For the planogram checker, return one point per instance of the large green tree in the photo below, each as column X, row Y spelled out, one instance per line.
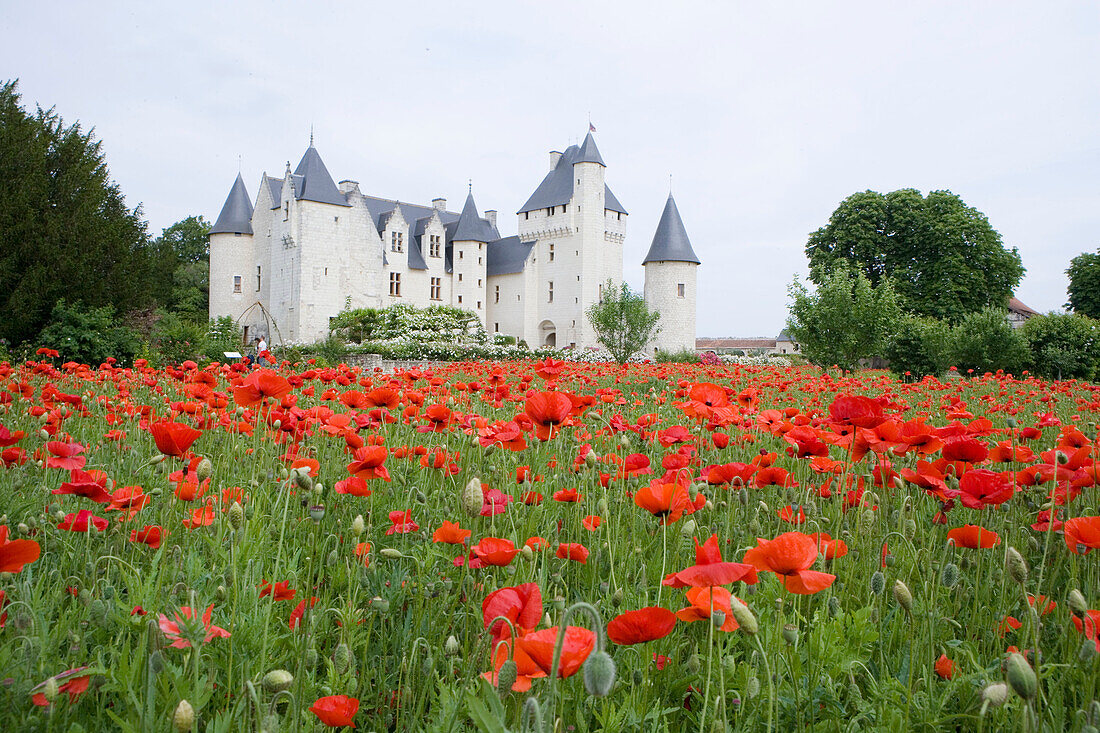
column 1084, row 284
column 624, row 324
column 943, row 256
column 65, row 229
column 846, row 319
column 181, row 268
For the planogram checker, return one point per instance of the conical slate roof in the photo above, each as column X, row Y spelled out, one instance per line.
column 317, row 184
column 670, row 242
column 471, row 227
column 589, row 153
column 236, row 215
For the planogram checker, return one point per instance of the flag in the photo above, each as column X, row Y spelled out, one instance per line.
column 591, row 127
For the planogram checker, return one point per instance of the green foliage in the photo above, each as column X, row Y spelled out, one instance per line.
column 943, row 256
column 65, row 230
column 919, row 346
column 845, row 320
column 435, row 323
column 683, row 356
column 985, row 342
column 1084, row 284
column 222, row 334
column 175, row 339
column 88, row 335
column 181, row 268
column 332, row 349
column 1062, row 346
column 624, row 324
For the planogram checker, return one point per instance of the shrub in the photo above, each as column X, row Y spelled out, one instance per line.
column 1062, row 346
column 683, row 356
column 176, row 339
column 919, row 346
column 88, row 335
column 985, row 342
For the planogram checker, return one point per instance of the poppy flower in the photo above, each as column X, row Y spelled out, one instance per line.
column 299, row 611
column 494, row 501
column 171, row 629
column 829, row 547
column 65, row 455
column 1082, row 534
column 548, row 410
column 526, row 669
column 402, row 522
column 667, row 501
column 129, row 499
column 451, row 534
column 1089, row 626
column 336, row 711
column 539, row 647
column 369, row 462
column 494, row 551
column 201, row 517
column 637, row 627
column 945, row 668
column 521, row 604
column 709, row 569
column 568, row 495
column 792, row 514
column 973, row 537
column 549, row 368
column 790, row 556
column 855, row 410
column 14, row 554
column 727, row 473
column 79, row 522
column 172, row 438
column 592, row 522
column 704, row 602
column 981, row 487
column 965, row 448
column 259, row 385
column 353, row 486
column 573, row 551
column 281, row 592
column 148, row 535
column 75, row 686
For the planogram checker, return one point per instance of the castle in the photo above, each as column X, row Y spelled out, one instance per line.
column 309, row 247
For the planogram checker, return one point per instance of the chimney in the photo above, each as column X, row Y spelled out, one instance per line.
column 347, row 187
column 439, row 204
column 491, row 215
column 555, row 156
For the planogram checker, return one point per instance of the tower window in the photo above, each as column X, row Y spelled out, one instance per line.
column 460, row 253
column 496, row 327
column 460, row 300
column 236, row 283
column 460, row 277
column 395, row 284
column 258, row 278
column 551, row 252
column 479, row 282
column 437, row 288
column 479, row 305
column 679, row 290
column 336, row 219
column 496, row 294
column 551, row 292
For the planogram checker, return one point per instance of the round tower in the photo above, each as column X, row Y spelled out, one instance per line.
column 231, row 255
column 670, row 274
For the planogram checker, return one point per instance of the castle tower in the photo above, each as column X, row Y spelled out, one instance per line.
column 231, row 255
column 469, row 254
column 670, row 272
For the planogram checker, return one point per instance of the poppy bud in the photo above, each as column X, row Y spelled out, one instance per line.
column 790, row 633
column 51, row 691
column 745, row 618
column 472, row 498
column 878, row 583
column 302, row 479
column 833, row 606
column 277, row 424
column 1076, row 602
column 204, row 470
column 949, row 576
column 617, row 597
column 277, row 680
column 236, row 515
column 599, row 674
column 1087, row 652
column 156, row 661
column 527, row 552
column 910, row 528
column 451, row 647
column 752, row 687
column 590, row 459
column 854, row 694
column 311, row 659
column 995, row 694
column 341, row 658
column 184, row 717
column 1022, row 677
column 1016, row 566
column 390, row 553
column 358, row 526
column 687, row 530
column 381, row 604
column 506, row 677
column 1061, row 458
column 693, row 665
column 97, row 610
column 220, row 593
column 903, row 596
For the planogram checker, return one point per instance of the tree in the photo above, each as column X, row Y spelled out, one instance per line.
column 1062, row 346
column 918, row 346
column 943, row 256
column 88, row 335
column 985, row 342
column 845, row 320
column 1084, row 284
column 624, row 324
column 181, row 267
column 65, row 229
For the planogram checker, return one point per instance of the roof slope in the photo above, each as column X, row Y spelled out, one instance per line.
column 670, row 241
column 471, row 227
column 317, row 184
column 507, row 256
column 589, row 153
column 557, row 187
column 236, row 214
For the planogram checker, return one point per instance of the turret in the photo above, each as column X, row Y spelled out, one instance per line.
column 231, row 254
column 670, row 275
column 469, row 254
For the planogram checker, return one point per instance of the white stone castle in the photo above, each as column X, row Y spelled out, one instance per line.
column 310, row 247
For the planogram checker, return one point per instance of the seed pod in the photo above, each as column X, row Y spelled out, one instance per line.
column 599, row 674
column 472, row 498
column 745, row 618
column 790, row 633
column 236, row 515
column 949, row 576
column 184, row 717
column 506, row 677
column 277, row 680
column 878, row 583
column 718, row 617
column 903, row 596
column 995, row 694
column 1016, row 566
column 317, row 512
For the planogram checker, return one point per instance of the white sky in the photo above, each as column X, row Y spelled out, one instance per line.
column 766, row 114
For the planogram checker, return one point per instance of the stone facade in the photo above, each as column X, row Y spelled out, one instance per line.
column 310, row 248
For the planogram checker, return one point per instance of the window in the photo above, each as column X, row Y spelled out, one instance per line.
column 460, row 277
column 601, row 293
column 479, row 282
column 433, row 245
column 236, row 234
column 236, row 283
column 395, row 284
column 551, row 252
column 460, row 300
column 336, row 219
column 460, row 253
column 479, row 305
column 258, row 279
column 496, row 294
column 550, row 210
column 479, row 260
column 437, row 288
column 679, row 290
column 397, row 241
column 526, row 215
column 496, row 328
column 551, row 292
column 286, row 211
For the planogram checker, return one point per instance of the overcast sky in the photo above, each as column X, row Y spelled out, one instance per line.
column 765, row 114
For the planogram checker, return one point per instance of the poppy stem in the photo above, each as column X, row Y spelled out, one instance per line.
column 768, row 674
column 664, row 559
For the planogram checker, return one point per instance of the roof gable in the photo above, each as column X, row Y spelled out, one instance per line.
column 670, row 241
column 236, row 213
column 317, row 184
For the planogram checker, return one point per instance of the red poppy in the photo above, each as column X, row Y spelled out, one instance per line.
column 171, row 629
column 568, row 495
column 548, row 410
column 172, row 438
column 973, row 537
column 573, row 551
column 709, row 569
column 369, row 462
column 1089, row 626
column 592, row 522
column 259, row 385
column 336, row 711
column 85, row 484
column 451, row 534
column 494, row 551
column 980, row 488
column 353, row 486
column 148, row 535
column 668, row 501
column 730, row 473
column 792, row 514
column 201, row 517
column 79, row 522
column 282, row 591
column 299, row 611
column 790, row 556
column 402, row 522
column 14, row 554
column 645, row 624
column 965, row 448
column 829, row 547
column 539, row 647
column 855, row 410
column 75, row 686
column 945, row 668
column 704, row 602
column 1082, row 534
column 65, row 455
column 521, row 604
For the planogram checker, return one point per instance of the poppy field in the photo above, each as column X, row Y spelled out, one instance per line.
column 545, row 546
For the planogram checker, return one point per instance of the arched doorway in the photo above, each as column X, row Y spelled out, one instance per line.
column 548, row 335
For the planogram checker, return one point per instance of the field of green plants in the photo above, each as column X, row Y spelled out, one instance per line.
column 545, row 546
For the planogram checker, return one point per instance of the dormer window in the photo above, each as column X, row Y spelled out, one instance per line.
column 397, row 241
column 433, row 245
